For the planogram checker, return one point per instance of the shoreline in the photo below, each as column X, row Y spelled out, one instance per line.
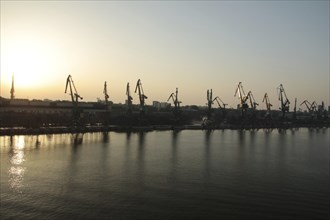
column 116, row 128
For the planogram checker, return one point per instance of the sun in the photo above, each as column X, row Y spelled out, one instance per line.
column 28, row 64
column 36, row 63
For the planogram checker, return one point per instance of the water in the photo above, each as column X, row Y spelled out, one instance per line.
column 228, row 174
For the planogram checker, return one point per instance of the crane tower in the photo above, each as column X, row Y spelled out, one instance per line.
column 129, row 99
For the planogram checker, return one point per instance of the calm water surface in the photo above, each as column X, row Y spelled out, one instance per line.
column 227, row 174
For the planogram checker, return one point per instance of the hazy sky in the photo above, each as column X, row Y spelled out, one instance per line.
column 194, row 46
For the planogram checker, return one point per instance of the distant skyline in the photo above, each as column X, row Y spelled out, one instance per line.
column 190, row 45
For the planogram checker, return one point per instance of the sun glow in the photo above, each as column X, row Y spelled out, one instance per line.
column 28, row 63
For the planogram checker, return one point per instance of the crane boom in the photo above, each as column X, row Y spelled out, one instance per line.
column 310, row 106
column 307, row 103
column 266, row 99
column 171, row 96
column 73, row 91
column 268, row 105
column 218, row 99
column 253, row 103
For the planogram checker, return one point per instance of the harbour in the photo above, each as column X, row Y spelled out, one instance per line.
column 24, row 116
column 164, row 110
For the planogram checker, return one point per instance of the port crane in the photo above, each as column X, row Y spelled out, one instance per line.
column 175, row 100
column 253, row 102
column 107, row 107
column 268, row 105
column 207, row 120
column 106, row 95
column 321, row 111
column 210, row 101
column 243, row 98
column 142, row 97
column 322, row 107
column 105, row 92
column 311, row 107
column 284, row 100
column 73, row 91
column 295, row 109
column 74, row 98
column 129, row 99
column 176, row 103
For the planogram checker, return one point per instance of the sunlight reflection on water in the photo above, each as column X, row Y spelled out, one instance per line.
column 16, row 158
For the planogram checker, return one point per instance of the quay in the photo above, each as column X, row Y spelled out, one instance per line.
column 116, row 128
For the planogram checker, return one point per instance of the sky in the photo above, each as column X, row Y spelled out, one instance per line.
column 189, row 45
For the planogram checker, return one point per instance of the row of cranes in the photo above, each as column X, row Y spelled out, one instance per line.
column 75, row 97
column 246, row 101
column 312, row 107
column 244, row 98
column 282, row 97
